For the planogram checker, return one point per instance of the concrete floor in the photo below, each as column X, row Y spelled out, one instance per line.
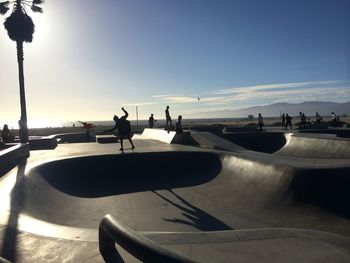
column 211, row 205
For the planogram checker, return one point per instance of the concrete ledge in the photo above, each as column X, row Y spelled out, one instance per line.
column 323, row 147
column 212, row 141
column 43, row 143
column 270, row 244
column 157, row 134
column 76, row 137
column 106, row 139
column 11, row 156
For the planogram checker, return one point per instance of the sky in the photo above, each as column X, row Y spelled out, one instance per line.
column 90, row 58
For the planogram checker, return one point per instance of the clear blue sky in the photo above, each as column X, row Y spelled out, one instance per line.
column 90, row 58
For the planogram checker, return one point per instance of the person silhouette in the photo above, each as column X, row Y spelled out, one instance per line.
column 318, row 118
column 178, row 127
column 7, row 135
column 151, row 121
column 124, row 129
column 288, row 121
column 260, row 122
column 334, row 119
column 168, row 122
column 283, row 120
column 89, row 128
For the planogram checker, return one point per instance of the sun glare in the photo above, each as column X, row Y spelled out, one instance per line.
column 42, row 25
column 42, row 123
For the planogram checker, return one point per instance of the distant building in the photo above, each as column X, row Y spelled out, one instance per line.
column 250, row 117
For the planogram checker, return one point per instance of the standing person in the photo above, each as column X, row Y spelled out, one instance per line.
column 283, row 120
column 124, row 129
column 288, row 121
column 168, row 122
column 151, row 121
column 334, row 119
column 303, row 121
column 318, row 118
column 260, row 122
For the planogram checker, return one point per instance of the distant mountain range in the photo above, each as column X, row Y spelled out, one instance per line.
column 274, row 110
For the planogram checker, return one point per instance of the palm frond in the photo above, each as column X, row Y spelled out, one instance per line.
column 4, row 7
column 36, row 9
column 38, row 2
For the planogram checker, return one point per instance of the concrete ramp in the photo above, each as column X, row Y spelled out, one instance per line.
column 223, row 207
column 267, row 142
column 286, row 144
column 183, row 191
column 302, row 146
column 212, row 141
column 109, row 138
column 156, row 134
column 257, row 245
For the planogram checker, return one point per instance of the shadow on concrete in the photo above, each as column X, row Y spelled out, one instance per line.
column 9, row 245
column 198, row 218
column 112, row 257
column 100, row 176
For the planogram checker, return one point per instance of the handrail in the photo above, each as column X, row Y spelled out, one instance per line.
column 144, row 249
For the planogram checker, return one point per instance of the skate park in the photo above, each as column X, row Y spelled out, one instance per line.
column 198, row 198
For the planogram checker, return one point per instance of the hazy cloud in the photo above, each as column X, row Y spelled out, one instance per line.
column 249, row 89
column 166, row 96
column 329, row 90
column 140, row 104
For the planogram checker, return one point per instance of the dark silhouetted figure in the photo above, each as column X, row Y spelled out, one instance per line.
column 318, row 118
column 283, row 121
column 260, row 122
column 6, row 134
column 89, row 130
column 334, row 120
column 124, row 129
column 168, row 121
column 302, row 120
column 288, row 122
column 151, row 121
column 178, row 127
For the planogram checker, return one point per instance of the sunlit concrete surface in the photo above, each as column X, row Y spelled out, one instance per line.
column 211, row 205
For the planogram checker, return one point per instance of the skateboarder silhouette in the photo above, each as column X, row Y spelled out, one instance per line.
column 124, row 129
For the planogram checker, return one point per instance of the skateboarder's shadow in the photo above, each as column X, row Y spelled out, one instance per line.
column 198, row 217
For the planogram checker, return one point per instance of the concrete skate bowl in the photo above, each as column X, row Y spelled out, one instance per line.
column 289, row 144
column 314, row 147
column 79, row 191
column 342, row 133
column 184, row 191
column 267, row 142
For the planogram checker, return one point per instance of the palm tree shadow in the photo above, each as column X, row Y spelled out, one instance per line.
column 198, row 218
column 10, row 237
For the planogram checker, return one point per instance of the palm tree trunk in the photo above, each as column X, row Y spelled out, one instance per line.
column 23, row 127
